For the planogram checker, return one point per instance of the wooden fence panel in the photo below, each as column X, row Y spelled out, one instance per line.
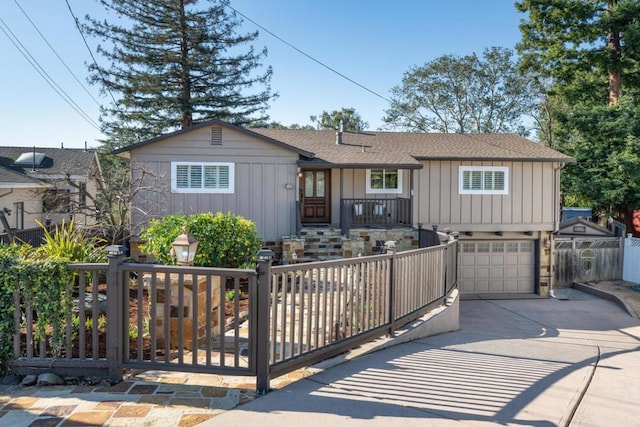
column 587, row 259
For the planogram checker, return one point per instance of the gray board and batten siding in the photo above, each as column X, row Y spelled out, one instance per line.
column 529, row 205
column 265, row 179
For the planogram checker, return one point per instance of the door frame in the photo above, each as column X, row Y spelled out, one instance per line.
column 318, row 203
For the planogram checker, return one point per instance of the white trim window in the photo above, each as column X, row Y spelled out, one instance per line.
column 384, row 181
column 484, row 180
column 202, row 177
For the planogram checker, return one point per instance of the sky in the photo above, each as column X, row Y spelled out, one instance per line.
column 373, row 42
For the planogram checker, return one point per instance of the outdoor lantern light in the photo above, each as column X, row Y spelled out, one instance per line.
column 115, row 250
column 264, row 255
column 184, row 248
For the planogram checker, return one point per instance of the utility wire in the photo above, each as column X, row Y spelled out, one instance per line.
column 93, row 58
column 333, row 70
column 56, row 53
column 34, row 63
column 408, row 114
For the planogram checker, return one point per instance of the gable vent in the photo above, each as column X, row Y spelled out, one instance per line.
column 216, row 135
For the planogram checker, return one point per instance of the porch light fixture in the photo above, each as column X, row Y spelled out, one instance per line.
column 184, row 248
column 265, row 255
column 116, row 250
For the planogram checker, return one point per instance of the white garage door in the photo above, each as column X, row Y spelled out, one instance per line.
column 496, row 267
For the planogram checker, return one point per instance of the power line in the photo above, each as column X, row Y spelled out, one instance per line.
column 408, row 114
column 333, row 70
column 50, row 81
column 115, row 104
column 56, row 53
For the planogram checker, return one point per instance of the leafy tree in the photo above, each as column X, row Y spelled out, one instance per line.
column 348, row 116
column 463, row 94
column 171, row 63
column 607, row 171
column 278, row 125
column 589, row 53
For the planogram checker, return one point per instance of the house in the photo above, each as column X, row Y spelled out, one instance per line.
column 500, row 192
column 47, row 185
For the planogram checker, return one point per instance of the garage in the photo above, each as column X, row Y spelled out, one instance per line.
column 496, row 266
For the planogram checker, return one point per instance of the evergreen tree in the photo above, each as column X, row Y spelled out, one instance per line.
column 588, row 52
column 173, row 63
column 590, row 48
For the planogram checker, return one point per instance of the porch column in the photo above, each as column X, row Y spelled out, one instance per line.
column 411, row 171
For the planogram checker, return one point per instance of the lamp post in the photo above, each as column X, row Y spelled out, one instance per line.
column 184, row 248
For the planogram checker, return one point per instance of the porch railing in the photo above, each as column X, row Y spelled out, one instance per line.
column 262, row 323
column 374, row 212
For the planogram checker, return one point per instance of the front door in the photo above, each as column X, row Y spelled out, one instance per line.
column 315, row 196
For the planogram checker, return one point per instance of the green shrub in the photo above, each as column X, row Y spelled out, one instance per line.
column 9, row 264
column 226, row 240
column 70, row 243
column 44, row 286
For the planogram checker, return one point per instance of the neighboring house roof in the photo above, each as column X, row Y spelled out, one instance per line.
column 56, row 163
column 12, row 179
column 576, row 227
column 400, row 149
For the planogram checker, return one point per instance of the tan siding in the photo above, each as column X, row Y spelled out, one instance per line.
column 528, row 206
column 262, row 171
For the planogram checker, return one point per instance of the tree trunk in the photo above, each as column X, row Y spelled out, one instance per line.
column 615, row 73
column 185, row 97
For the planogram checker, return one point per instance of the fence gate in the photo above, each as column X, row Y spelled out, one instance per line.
column 587, row 259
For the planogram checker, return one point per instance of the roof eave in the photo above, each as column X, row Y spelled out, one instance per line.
column 123, row 150
column 499, row 159
column 330, row 165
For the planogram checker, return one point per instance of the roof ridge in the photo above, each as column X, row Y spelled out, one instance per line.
column 502, row 147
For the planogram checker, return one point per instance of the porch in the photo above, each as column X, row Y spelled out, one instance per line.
column 374, row 213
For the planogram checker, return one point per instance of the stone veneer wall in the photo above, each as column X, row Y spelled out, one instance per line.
column 361, row 242
column 365, row 238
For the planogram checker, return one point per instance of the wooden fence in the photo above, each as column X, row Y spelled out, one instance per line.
column 145, row 316
column 588, row 259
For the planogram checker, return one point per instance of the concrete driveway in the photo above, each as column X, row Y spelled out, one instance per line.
column 570, row 361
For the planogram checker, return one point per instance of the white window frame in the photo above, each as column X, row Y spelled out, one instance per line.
column 483, row 169
column 398, row 190
column 174, row 178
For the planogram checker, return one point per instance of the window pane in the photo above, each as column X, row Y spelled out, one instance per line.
column 466, row 180
column 182, row 176
column 377, row 179
column 223, row 176
column 195, row 176
column 498, row 182
column 308, row 184
column 391, row 179
column 476, row 180
column 512, row 247
column 488, row 180
column 320, row 184
column 482, row 247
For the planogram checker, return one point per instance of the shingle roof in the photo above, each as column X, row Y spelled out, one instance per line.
column 11, row 179
column 401, row 148
column 58, row 161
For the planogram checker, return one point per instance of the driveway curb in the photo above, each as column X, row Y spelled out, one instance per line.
column 584, row 287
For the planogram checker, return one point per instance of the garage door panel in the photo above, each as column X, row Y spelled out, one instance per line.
column 497, row 267
column 482, row 285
